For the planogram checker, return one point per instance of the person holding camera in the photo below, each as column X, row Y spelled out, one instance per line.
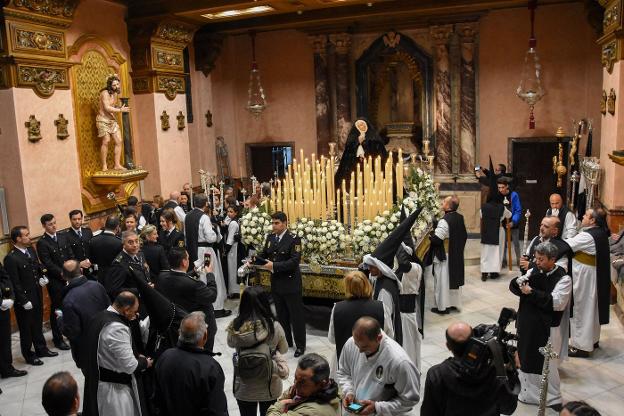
column 188, row 292
column 452, row 389
column 375, row 374
column 543, row 316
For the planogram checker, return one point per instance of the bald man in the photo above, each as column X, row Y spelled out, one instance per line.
column 370, row 361
column 549, row 229
column 567, row 218
column 451, row 390
column 174, row 204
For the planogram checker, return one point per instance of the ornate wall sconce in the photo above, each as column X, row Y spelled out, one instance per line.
column 611, row 102
column 34, row 129
column 603, row 103
column 164, row 121
column 61, row 127
column 181, row 119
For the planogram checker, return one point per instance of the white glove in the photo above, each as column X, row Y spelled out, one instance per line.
column 43, row 281
column 28, row 305
column 6, row 304
column 58, row 313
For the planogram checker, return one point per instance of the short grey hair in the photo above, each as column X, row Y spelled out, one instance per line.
column 127, row 234
column 547, row 249
column 192, row 328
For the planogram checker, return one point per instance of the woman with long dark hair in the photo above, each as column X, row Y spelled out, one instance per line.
column 255, row 325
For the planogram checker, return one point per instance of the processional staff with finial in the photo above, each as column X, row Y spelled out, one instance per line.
column 548, row 353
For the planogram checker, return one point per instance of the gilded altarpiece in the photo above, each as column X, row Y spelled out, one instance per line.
column 95, row 60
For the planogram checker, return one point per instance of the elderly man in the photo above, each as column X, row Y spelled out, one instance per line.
column 313, row 392
column 174, row 204
column 113, row 382
column 370, row 361
column 567, row 218
column 189, row 381
column 544, row 312
column 549, row 230
column 60, row 395
column 448, row 241
column 128, row 264
column 82, row 299
column 591, row 282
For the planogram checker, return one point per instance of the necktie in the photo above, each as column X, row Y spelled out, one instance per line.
column 28, row 254
column 80, row 233
column 54, row 238
column 135, row 259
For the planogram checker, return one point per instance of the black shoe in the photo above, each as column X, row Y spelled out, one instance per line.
column 494, row 275
column 62, row 346
column 234, row 296
column 557, row 407
column 299, row 352
column 575, row 352
column 46, row 353
column 222, row 313
column 14, row 372
column 484, row 277
column 597, row 345
column 34, row 361
column 439, row 312
column 453, row 308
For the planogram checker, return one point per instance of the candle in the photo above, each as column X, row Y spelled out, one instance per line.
column 338, row 204
column 352, row 200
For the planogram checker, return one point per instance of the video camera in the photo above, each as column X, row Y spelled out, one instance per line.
column 492, row 345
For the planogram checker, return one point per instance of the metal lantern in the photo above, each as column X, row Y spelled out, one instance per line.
column 256, row 101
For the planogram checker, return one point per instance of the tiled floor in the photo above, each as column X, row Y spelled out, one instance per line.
column 598, row 380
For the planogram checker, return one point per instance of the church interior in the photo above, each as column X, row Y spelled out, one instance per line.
column 234, row 91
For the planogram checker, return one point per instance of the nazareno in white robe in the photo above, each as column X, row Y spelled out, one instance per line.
column 443, row 296
column 412, row 338
column 585, row 322
column 530, row 384
column 492, row 255
column 207, row 234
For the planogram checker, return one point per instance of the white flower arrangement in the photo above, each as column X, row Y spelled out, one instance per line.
column 255, row 225
column 322, row 241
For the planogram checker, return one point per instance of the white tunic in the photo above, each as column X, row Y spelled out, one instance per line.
column 412, row 338
column 207, row 234
column 492, row 255
column 444, row 297
column 563, row 261
column 232, row 258
column 569, row 225
column 585, row 323
column 115, row 354
column 388, row 306
column 367, row 377
column 531, row 383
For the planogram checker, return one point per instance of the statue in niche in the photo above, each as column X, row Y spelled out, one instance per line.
column 181, row 118
column 61, row 127
column 363, row 141
column 107, row 125
column 164, row 121
column 34, row 129
column 223, row 162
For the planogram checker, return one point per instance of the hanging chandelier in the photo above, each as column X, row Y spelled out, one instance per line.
column 530, row 89
column 256, row 102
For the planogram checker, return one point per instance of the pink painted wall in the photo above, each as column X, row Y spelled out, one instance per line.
column 50, row 170
column 286, row 65
column 572, row 75
column 612, row 138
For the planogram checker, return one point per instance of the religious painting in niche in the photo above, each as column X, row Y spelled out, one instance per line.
column 394, row 84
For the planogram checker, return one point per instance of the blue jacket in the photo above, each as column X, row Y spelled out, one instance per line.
column 516, row 209
column 82, row 299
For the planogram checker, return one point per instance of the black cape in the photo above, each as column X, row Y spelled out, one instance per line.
column 562, row 216
column 491, row 213
column 603, row 272
column 457, row 243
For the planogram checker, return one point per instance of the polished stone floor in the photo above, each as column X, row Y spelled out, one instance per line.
column 599, row 380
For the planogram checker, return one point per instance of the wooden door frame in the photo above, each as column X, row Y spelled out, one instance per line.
column 248, row 147
column 541, row 139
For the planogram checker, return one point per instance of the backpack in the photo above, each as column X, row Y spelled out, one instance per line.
column 255, row 364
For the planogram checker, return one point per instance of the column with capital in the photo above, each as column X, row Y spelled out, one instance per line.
column 468, row 35
column 342, row 43
column 442, row 93
column 321, row 93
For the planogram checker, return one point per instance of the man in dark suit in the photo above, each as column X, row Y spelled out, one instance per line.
column 53, row 250
column 189, row 293
column 79, row 238
column 105, row 246
column 127, row 266
column 27, row 277
column 282, row 250
column 169, row 236
column 6, row 356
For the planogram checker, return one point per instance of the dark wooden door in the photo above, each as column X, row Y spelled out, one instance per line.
column 532, row 166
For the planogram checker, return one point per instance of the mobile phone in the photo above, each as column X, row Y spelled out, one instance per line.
column 259, row 261
column 355, row 407
column 207, row 259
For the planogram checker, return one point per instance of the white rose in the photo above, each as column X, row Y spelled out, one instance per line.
column 411, row 205
column 300, row 233
column 358, row 232
column 308, row 229
column 368, row 229
column 342, row 237
column 366, row 239
column 394, row 219
column 383, row 228
column 254, row 231
column 335, row 233
column 311, row 223
column 380, row 220
column 384, row 235
column 390, row 226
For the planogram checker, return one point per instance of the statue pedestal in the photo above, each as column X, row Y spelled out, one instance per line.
column 121, row 182
column 400, row 137
column 116, row 178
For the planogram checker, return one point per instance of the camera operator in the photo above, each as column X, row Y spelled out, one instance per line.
column 544, row 313
column 451, row 389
